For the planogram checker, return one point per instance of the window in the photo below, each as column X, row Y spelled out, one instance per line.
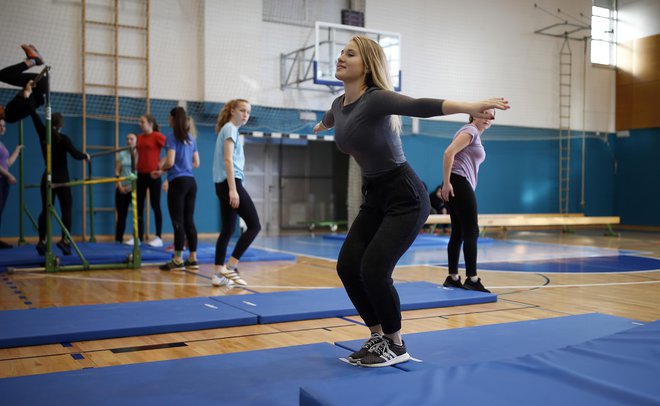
column 304, row 12
column 603, row 38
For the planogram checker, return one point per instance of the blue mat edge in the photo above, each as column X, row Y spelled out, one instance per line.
column 44, row 339
column 127, row 332
column 344, row 343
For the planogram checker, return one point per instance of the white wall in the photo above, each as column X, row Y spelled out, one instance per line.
column 477, row 49
column 220, row 49
column 242, row 56
column 638, row 19
column 54, row 27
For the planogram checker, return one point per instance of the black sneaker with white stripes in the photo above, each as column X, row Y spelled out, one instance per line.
column 375, row 339
column 191, row 265
column 384, row 354
column 172, row 265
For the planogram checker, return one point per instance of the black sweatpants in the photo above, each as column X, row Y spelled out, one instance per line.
column 18, row 108
column 181, row 204
column 122, row 202
column 229, row 216
column 395, row 208
column 464, row 226
column 146, row 182
column 63, row 194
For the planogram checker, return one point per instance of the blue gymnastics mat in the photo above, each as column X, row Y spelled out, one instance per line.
column 320, row 303
column 434, row 241
column 619, row 369
column 77, row 323
column 617, row 263
column 498, row 341
column 95, row 253
column 206, row 254
column 265, row 377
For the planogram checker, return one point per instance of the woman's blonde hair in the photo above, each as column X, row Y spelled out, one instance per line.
column 192, row 128
column 378, row 72
column 225, row 114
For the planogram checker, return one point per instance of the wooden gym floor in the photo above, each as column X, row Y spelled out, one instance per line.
column 522, row 296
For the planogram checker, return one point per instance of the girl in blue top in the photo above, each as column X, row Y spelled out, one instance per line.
column 182, row 156
column 228, row 164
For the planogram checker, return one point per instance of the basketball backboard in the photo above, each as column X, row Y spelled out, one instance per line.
column 331, row 39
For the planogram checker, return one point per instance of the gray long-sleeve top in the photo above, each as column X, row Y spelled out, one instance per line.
column 362, row 128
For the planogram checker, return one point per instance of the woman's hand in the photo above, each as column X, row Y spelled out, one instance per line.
column 27, row 90
column 447, row 191
column 234, row 200
column 156, row 174
column 479, row 109
column 319, row 127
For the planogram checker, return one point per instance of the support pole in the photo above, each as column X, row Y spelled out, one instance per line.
column 50, row 259
column 21, row 189
column 92, row 235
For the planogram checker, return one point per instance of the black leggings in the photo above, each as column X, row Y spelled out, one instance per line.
column 144, row 182
column 4, row 194
column 229, row 215
column 122, row 202
column 181, row 203
column 395, row 208
column 63, row 194
column 464, row 226
column 19, row 108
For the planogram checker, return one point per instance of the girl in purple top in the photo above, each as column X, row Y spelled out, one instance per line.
column 6, row 178
column 460, row 167
column 182, row 156
column 396, row 204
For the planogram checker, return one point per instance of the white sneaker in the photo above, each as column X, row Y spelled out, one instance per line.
column 156, row 242
column 218, row 280
column 129, row 242
column 233, row 275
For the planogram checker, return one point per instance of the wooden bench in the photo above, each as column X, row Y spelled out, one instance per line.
column 534, row 220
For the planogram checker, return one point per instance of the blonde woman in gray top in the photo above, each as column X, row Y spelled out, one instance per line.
column 367, row 127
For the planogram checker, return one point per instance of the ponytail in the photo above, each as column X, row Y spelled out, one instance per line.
column 180, row 124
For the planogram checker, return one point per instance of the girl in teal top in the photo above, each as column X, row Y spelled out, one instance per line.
column 123, row 167
column 228, row 164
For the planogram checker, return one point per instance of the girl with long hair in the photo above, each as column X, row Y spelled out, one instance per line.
column 181, row 158
column 149, row 172
column 460, row 167
column 228, row 175
column 396, row 203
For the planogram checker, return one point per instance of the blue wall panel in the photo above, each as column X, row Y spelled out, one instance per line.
column 637, row 180
column 520, row 174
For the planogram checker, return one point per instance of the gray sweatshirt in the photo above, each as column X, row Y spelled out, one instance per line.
column 362, row 129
